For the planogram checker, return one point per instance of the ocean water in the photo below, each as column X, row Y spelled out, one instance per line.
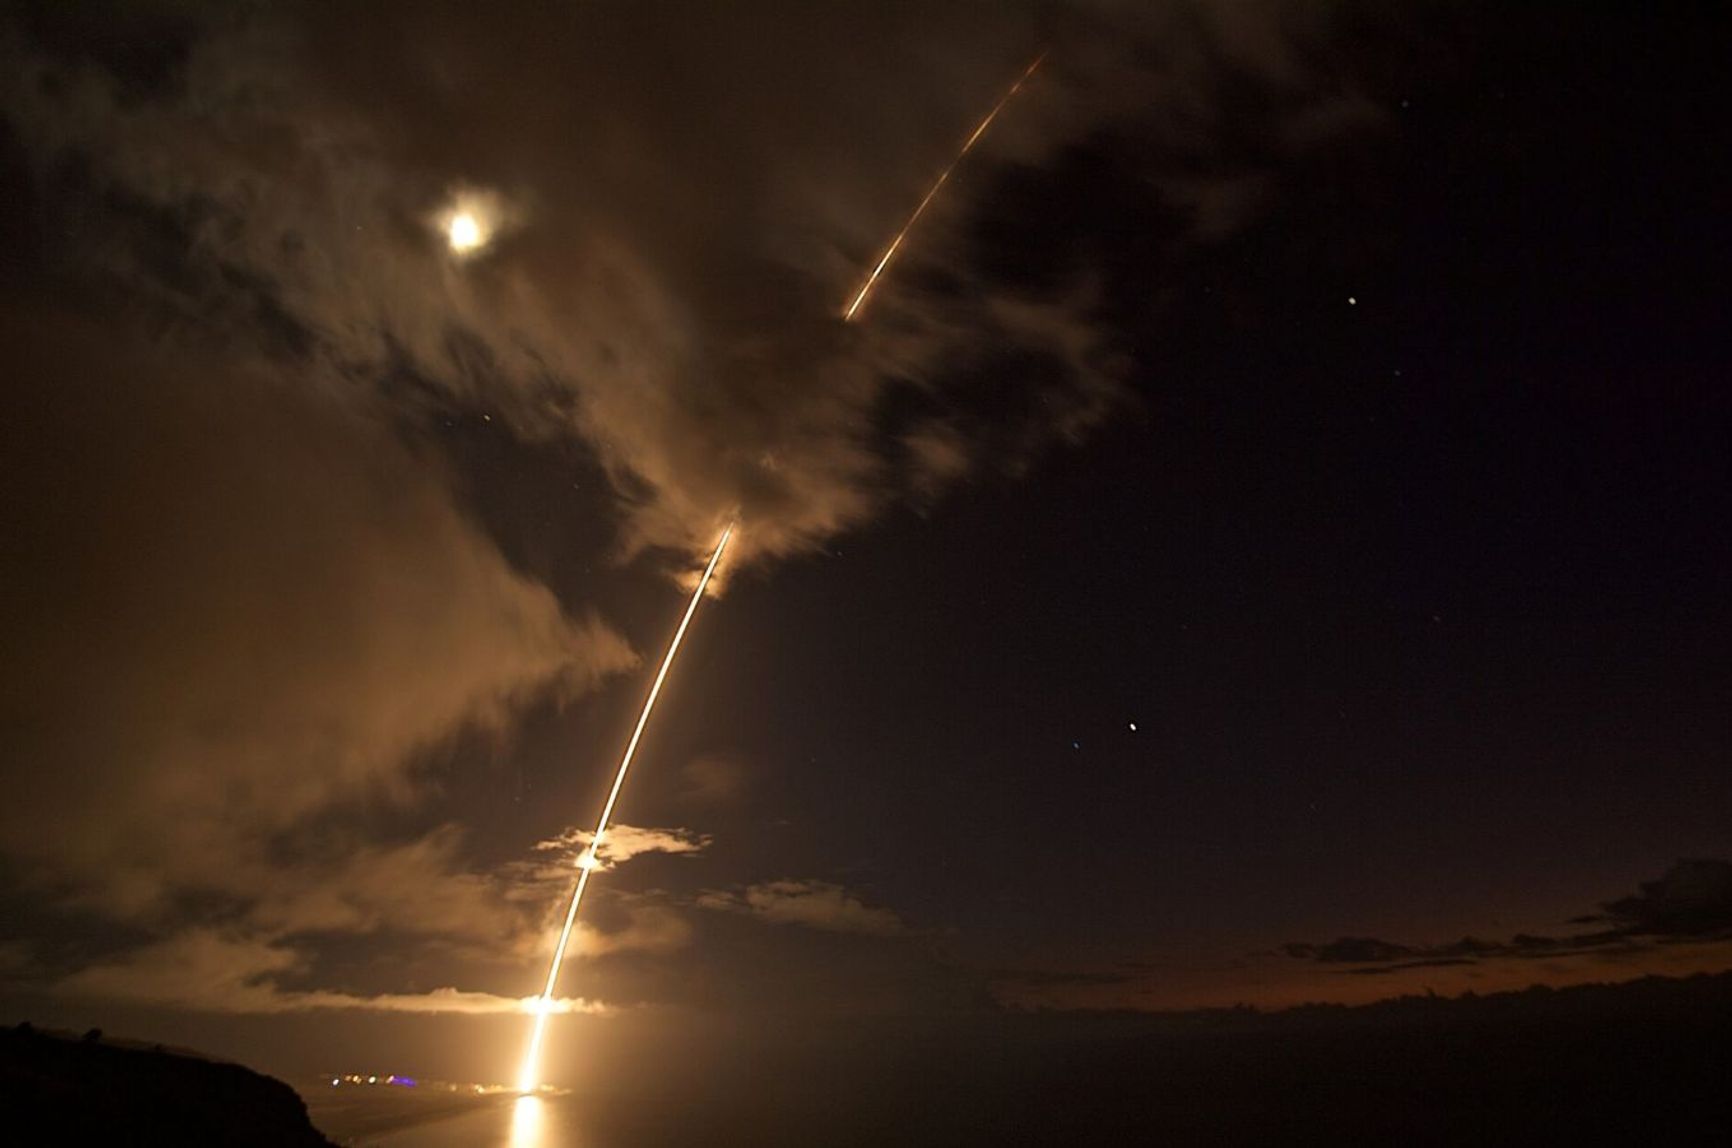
column 525, row 1122
column 401, row 1118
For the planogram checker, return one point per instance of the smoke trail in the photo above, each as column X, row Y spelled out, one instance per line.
column 527, row 1079
column 980, row 130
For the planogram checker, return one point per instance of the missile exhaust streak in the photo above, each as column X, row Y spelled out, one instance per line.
column 527, row 1079
column 859, row 299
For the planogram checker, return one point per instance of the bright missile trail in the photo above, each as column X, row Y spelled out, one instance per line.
column 529, row 1076
column 859, row 299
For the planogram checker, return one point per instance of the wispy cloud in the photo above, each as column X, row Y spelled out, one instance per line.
column 812, row 904
column 212, row 971
column 648, row 928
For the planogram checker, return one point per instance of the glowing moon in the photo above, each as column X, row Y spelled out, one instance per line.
column 464, row 233
column 471, row 220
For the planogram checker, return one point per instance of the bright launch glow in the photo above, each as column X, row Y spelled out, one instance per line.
column 526, row 1121
column 859, row 299
column 528, row 1077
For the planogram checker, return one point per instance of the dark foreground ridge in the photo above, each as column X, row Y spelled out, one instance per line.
column 56, row 1089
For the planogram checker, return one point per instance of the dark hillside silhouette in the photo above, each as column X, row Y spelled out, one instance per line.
column 79, row 1090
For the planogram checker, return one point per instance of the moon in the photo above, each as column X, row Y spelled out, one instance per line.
column 464, row 233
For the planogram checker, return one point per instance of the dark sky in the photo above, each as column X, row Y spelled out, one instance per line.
column 1265, row 541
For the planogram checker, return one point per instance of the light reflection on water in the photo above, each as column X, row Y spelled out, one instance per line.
column 527, row 1118
column 371, row 1119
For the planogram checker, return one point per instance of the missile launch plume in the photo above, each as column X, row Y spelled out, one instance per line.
column 529, row 1076
column 859, row 299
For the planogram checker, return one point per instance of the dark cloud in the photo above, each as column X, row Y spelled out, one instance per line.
column 1350, row 949
column 1015, row 979
column 1424, row 963
column 814, row 904
column 712, row 780
column 1692, row 901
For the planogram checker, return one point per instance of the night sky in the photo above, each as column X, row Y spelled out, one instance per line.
column 1265, row 541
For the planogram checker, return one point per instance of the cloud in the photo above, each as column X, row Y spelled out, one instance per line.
column 649, row 928
column 232, row 610
column 426, row 887
column 621, row 844
column 246, row 594
column 1358, row 950
column 239, row 618
column 440, row 1000
column 711, row 780
column 210, row 971
column 689, row 202
column 1691, row 901
column 1017, row 980
column 639, row 923
column 813, row 904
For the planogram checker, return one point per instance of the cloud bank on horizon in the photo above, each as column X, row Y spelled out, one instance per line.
column 1691, row 903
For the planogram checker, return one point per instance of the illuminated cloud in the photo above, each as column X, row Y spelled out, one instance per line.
column 209, row 971
column 622, row 843
column 292, row 610
column 630, row 310
column 314, row 612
